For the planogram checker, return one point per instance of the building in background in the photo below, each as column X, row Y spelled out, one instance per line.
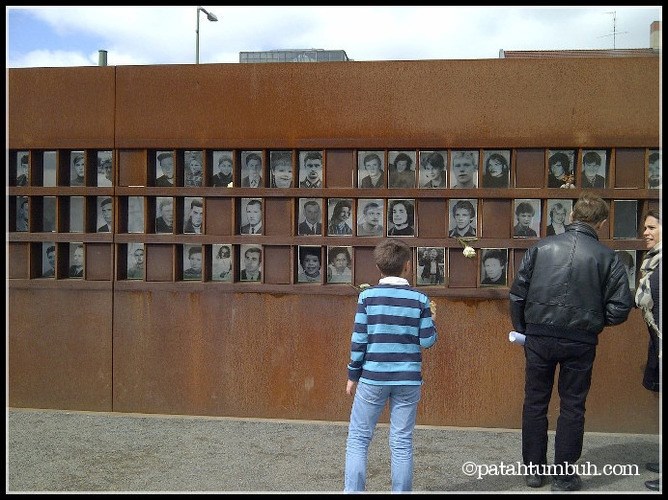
column 293, row 55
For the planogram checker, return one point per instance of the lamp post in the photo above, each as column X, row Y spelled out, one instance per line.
column 211, row 17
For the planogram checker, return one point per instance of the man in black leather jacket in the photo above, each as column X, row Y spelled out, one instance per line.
column 567, row 289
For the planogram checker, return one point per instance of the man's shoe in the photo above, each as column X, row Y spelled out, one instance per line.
column 568, row 483
column 534, row 480
column 652, row 466
column 652, row 485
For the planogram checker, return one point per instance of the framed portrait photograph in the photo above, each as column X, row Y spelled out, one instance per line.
column 594, row 168
column 494, row 267
column 628, row 258
column 49, row 168
column 370, row 217
column 401, row 169
column 135, row 263
column 309, row 265
column 654, row 169
column 48, row 259
column 22, row 213
column 105, row 214
column 309, row 222
column 77, row 260
column 49, row 215
column 164, row 209
column 340, row 264
column 223, row 168
column 496, row 168
column 430, row 269
column 526, row 223
column 401, row 218
column 192, row 262
column 77, row 207
column 340, row 217
column 558, row 216
column 464, row 169
column 221, row 269
column 310, row 169
column 135, row 214
column 23, row 168
column 252, row 170
column 280, row 169
column 463, row 215
column 626, row 219
column 433, row 169
column 193, row 169
column 561, row 168
column 164, row 169
column 371, row 169
column 251, row 216
column 193, row 215
column 250, row 257
column 104, row 169
column 77, row 168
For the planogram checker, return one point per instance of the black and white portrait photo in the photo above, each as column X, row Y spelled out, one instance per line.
column 310, row 217
column 135, row 261
column 340, row 264
column 496, row 168
column 251, row 169
column 628, row 258
column 462, row 218
column 49, row 168
column 464, row 169
column 310, row 169
column 401, row 169
column 193, row 215
column 433, row 169
column 401, row 218
column 48, row 259
column 77, row 260
column 22, row 213
column 164, row 169
column 22, row 168
column 251, row 216
column 625, row 214
column 558, row 216
column 309, row 264
column 594, row 169
column 223, row 169
column 494, row 267
column 221, row 269
column 526, row 218
column 654, row 169
column 340, row 217
column 371, row 169
column 370, row 217
column 193, row 169
column 561, row 168
column 135, row 214
column 104, row 169
column 77, row 214
column 192, row 262
column 280, row 169
column 105, row 214
column 250, row 263
column 164, row 219
column 430, row 268
column 77, row 168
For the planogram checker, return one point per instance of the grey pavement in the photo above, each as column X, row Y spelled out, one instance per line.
column 72, row 451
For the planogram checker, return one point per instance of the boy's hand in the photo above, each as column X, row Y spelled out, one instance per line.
column 350, row 387
column 432, row 306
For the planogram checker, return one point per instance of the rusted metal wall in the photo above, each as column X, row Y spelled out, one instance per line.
column 193, row 349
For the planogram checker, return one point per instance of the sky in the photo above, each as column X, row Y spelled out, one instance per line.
column 72, row 36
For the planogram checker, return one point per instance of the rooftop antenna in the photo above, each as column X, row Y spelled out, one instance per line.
column 614, row 30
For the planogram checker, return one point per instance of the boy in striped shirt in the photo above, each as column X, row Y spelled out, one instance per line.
column 393, row 323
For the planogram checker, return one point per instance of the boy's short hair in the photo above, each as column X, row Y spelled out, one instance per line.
column 391, row 256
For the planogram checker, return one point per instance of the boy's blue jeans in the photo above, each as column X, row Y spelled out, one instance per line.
column 367, row 406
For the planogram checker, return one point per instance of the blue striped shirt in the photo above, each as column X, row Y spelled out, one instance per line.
column 392, row 323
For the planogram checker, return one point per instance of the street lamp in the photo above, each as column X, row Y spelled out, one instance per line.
column 211, row 17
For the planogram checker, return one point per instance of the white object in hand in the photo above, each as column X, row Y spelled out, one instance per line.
column 516, row 337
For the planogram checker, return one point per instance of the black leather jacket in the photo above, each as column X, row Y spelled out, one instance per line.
column 570, row 286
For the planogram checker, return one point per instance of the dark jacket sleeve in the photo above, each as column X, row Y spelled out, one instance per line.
column 618, row 298
column 519, row 291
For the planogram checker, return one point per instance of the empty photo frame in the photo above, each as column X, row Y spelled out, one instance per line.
column 135, row 214
column 49, row 214
column 371, row 169
column 77, row 214
column 430, row 269
column 626, row 219
column 433, row 169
